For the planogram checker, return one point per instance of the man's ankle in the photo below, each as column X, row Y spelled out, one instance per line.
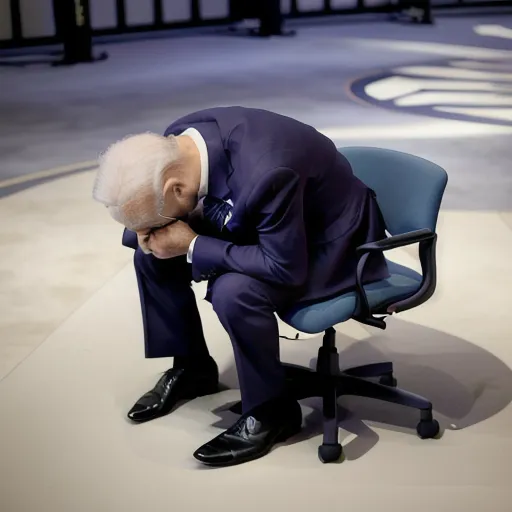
column 202, row 362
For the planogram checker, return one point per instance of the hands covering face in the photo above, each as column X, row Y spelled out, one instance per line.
column 168, row 241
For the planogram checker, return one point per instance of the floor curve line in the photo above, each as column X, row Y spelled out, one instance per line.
column 48, row 173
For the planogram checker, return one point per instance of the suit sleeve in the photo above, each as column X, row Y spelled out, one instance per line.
column 281, row 256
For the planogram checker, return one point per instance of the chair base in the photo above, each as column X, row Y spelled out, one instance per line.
column 329, row 383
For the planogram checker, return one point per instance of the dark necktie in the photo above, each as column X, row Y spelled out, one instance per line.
column 215, row 213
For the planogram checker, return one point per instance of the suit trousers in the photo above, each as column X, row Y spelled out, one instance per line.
column 245, row 306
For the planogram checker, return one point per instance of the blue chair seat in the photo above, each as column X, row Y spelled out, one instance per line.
column 315, row 318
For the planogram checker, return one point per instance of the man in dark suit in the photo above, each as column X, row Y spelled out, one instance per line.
column 269, row 212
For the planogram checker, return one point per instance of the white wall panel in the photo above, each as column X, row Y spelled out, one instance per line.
column 214, row 9
column 5, row 20
column 310, row 5
column 344, row 4
column 177, row 10
column 103, row 13
column 37, row 18
column 350, row 4
column 139, row 12
column 286, row 6
column 378, row 3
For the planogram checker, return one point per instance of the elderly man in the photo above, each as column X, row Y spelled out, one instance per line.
column 269, row 212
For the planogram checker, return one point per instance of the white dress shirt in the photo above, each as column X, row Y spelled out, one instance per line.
column 203, row 183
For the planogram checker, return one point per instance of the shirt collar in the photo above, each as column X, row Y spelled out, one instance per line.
column 203, row 154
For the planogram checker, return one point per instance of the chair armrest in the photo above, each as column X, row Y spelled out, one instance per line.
column 393, row 242
column 427, row 240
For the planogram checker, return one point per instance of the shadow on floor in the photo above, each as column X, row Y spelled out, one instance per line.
column 466, row 384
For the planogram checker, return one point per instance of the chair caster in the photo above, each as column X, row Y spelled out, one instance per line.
column 428, row 429
column 388, row 380
column 330, row 452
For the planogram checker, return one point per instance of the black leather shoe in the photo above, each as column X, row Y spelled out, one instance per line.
column 175, row 385
column 253, row 435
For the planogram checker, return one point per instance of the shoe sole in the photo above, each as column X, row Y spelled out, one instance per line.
column 281, row 438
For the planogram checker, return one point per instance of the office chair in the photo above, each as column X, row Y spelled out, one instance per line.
column 409, row 192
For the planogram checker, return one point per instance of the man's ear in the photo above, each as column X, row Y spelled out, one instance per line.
column 173, row 188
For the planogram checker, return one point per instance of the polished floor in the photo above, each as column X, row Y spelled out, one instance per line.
column 71, row 359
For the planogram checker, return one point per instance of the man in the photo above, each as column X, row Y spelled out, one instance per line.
column 269, row 212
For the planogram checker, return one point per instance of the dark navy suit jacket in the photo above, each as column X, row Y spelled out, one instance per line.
column 299, row 212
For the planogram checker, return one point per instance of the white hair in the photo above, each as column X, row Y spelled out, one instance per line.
column 129, row 181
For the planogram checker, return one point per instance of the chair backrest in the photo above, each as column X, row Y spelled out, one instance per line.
column 409, row 189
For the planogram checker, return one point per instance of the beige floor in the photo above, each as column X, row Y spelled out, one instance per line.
column 72, row 363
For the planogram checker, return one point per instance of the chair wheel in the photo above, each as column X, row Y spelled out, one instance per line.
column 428, row 429
column 388, row 380
column 329, row 452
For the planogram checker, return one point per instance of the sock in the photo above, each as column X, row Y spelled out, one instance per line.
column 196, row 362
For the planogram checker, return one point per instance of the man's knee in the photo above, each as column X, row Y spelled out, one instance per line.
column 141, row 260
column 148, row 265
column 234, row 294
column 173, row 270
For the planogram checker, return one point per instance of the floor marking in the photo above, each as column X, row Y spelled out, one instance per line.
column 493, row 66
column 452, row 73
column 442, row 129
column 444, row 50
column 427, row 98
column 49, row 173
column 490, row 113
column 493, row 31
column 459, row 87
column 395, row 87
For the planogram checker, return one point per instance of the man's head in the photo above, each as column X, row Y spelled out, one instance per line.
column 146, row 179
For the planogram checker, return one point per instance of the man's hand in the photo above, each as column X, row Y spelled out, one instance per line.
column 171, row 241
column 143, row 240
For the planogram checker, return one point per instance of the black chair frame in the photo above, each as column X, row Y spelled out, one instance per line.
column 329, row 383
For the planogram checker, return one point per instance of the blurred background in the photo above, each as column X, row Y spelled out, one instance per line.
column 429, row 78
